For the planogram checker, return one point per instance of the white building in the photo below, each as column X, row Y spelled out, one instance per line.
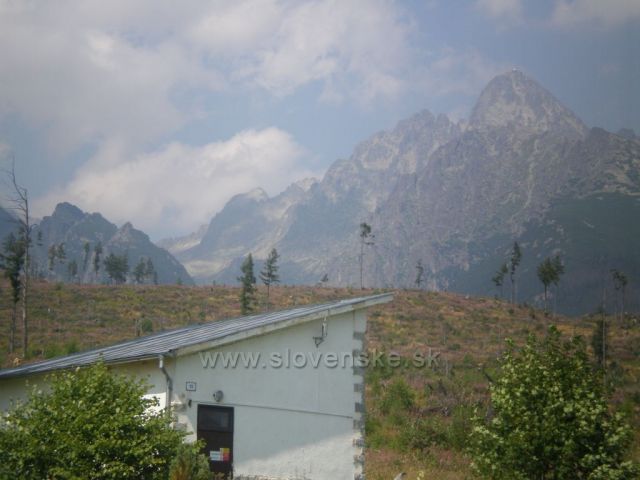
column 291, row 407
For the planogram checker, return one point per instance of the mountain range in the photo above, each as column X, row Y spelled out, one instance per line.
column 453, row 196
column 76, row 230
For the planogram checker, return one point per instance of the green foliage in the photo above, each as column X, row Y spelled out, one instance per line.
column 85, row 257
column 12, row 260
column 97, row 250
column 92, row 425
column 150, row 272
column 550, row 418
column 144, row 271
column 549, row 272
column 146, row 325
column 248, row 282
column 117, row 267
column 189, row 464
column 72, row 269
column 423, row 433
column 140, row 271
column 269, row 274
column 516, row 258
column 498, row 278
column 397, row 398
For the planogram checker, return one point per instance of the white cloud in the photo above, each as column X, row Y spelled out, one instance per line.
column 122, row 76
column 78, row 76
column 357, row 49
column 458, row 72
column 89, row 71
column 239, row 27
column 506, row 10
column 606, row 14
column 179, row 187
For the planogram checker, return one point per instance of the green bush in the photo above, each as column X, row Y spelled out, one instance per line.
column 423, row 433
column 146, row 325
column 397, row 398
column 189, row 464
column 550, row 418
column 92, row 424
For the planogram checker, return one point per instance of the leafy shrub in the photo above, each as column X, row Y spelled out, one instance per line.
column 189, row 464
column 146, row 325
column 551, row 418
column 423, row 433
column 92, row 424
column 397, row 398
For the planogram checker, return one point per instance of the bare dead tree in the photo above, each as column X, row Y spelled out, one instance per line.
column 18, row 204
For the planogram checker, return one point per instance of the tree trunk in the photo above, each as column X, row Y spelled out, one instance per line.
column 361, row 263
column 12, row 328
column 25, row 291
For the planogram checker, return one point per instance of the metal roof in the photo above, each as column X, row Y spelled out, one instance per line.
column 214, row 333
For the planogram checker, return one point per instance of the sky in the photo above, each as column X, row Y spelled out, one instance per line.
column 158, row 112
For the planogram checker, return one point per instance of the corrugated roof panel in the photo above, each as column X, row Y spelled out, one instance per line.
column 166, row 342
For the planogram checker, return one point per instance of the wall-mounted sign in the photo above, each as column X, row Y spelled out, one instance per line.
column 191, row 386
column 222, row 455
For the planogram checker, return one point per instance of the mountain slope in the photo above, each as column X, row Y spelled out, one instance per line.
column 7, row 224
column 74, row 228
column 455, row 197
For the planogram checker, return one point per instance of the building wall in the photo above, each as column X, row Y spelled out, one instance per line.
column 18, row 389
column 289, row 422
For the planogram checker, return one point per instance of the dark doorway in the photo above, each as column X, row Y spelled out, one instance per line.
column 215, row 427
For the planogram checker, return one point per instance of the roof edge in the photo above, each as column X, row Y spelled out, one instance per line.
column 332, row 309
column 274, row 327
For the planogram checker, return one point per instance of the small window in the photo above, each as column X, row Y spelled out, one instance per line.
column 218, row 419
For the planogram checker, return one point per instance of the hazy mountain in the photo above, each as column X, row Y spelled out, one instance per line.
column 74, row 228
column 250, row 222
column 455, row 196
column 7, row 224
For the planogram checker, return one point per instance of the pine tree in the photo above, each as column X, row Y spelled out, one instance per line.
column 366, row 239
column 52, row 253
column 12, row 261
column 85, row 258
column 19, row 204
column 248, row 282
column 61, row 253
column 419, row 273
column 117, row 267
column 140, row 271
column 549, row 272
column 620, row 282
column 269, row 274
column 498, row 278
column 151, row 272
column 97, row 250
column 72, row 270
column 516, row 258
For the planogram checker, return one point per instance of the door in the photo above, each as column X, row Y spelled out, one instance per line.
column 215, row 428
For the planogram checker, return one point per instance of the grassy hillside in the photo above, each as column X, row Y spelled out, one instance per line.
column 418, row 418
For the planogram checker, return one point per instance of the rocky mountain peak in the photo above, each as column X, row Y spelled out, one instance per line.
column 255, row 195
column 128, row 233
column 67, row 212
column 515, row 101
column 305, row 184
